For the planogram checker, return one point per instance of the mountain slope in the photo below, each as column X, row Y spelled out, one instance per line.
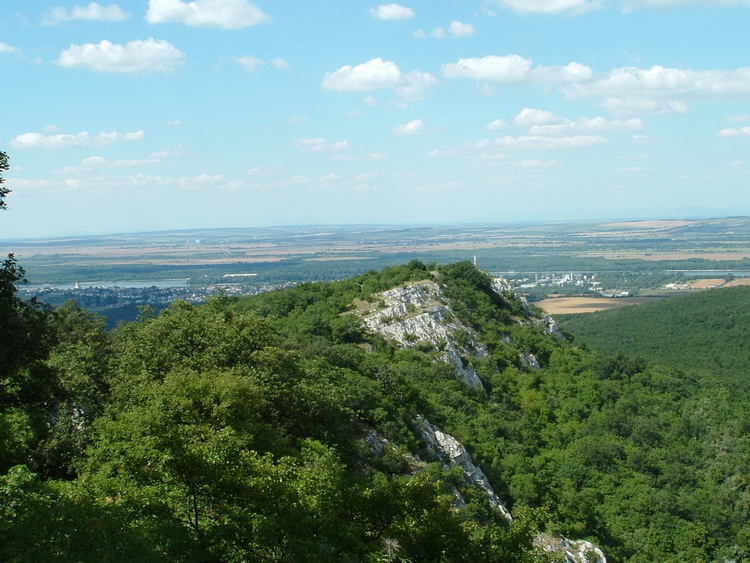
column 392, row 416
column 703, row 333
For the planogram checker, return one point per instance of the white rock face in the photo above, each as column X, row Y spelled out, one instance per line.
column 529, row 361
column 574, row 551
column 417, row 314
column 453, row 453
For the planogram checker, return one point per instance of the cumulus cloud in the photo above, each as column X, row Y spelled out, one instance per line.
column 225, row 14
column 201, row 181
column 523, row 142
column 496, row 125
column 250, row 63
column 92, row 12
column 377, row 74
column 631, row 106
column 391, row 12
column 280, row 63
column 534, row 116
column 535, row 163
column 413, row 127
column 661, row 82
column 552, row 6
column 515, row 69
column 65, row 141
column 546, row 123
column 136, row 56
column 459, row 29
column 5, row 48
column 320, row 145
column 588, row 125
column 542, row 142
column 492, row 68
column 741, row 132
column 572, row 72
column 455, row 29
column 363, row 158
column 95, row 163
column 628, row 5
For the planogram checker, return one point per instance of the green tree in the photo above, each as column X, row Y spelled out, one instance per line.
column 27, row 387
column 4, row 165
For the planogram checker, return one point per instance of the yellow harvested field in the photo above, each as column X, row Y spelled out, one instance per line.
column 568, row 305
column 666, row 224
column 737, row 281
column 707, row 283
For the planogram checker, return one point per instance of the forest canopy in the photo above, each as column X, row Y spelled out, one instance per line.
column 278, row 427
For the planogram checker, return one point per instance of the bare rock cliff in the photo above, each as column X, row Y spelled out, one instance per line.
column 418, row 314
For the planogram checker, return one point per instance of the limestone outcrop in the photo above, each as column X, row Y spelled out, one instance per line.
column 417, row 314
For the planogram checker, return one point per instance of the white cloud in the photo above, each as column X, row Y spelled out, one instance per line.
column 660, row 82
column 252, row 63
column 94, row 163
column 92, row 12
column 249, row 62
column 631, row 106
column 65, row 141
column 413, row 127
column 391, row 12
column 552, row 6
column 587, row 125
column 377, row 74
column 496, row 125
column 536, row 163
column 492, row 68
column 534, row 116
column 320, row 145
column 134, row 57
column 458, row 29
column 415, row 84
column 740, row 118
column 515, row 69
column 523, row 142
column 572, row 72
column 5, row 48
column 542, row 142
column 226, row 14
column 628, row 5
column 741, row 132
column 455, row 29
column 365, row 158
column 201, row 181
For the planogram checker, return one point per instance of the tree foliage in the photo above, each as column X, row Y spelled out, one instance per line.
column 278, row 428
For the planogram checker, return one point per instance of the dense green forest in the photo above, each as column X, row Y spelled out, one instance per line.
column 702, row 333
column 238, row 430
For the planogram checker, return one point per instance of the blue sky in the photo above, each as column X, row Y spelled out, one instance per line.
column 163, row 114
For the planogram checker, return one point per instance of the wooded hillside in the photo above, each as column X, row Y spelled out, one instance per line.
column 280, row 428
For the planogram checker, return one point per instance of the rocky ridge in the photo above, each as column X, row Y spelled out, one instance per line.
column 419, row 314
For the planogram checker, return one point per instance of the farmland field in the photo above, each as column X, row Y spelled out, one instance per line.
column 568, row 305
